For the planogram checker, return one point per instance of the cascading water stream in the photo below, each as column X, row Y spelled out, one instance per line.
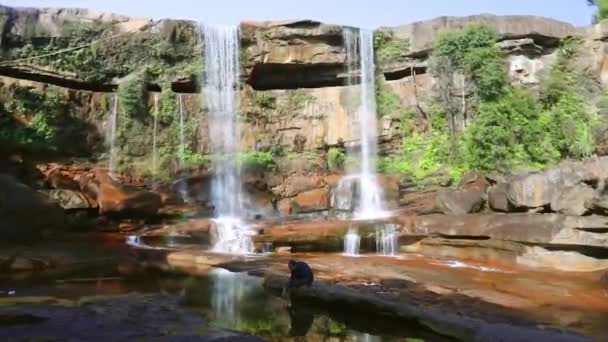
column 112, row 135
column 221, row 90
column 352, row 242
column 154, row 151
column 369, row 204
column 387, row 242
column 182, row 144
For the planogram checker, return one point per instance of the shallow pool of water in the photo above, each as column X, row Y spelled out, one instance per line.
column 225, row 300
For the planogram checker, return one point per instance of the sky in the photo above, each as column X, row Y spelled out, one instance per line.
column 361, row 13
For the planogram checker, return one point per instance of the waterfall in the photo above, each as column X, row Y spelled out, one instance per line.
column 362, row 50
column 154, row 151
column 352, row 241
column 221, row 90
column 182, row 144
column 112, row 135
column 387, row 241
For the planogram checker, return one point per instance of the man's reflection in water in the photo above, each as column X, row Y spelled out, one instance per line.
column 301, row 319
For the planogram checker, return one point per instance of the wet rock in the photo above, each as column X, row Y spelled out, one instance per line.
column 604, row 280
column 57, row 180
column 470, row 198
column 343, row 194
column 571, row 200
column 25, row 213
column 567, row 261
column 115, row 199
column 287, row 250
column 458, row 326
column 390, row 189
column 527, row 228
column 311, row 201
column 296, row 184
column 284, row 206
column 69, row 199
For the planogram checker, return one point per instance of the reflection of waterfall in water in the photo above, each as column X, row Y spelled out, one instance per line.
column 112, row 135
column 228, row 291
column 352, row 241
column 221, row 88
column 362, row 50
column 154, row 152
column 387, row 241
column 362, row 337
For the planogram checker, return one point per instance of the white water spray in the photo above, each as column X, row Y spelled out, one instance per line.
column 154, row 151
column 112, row 135
column 182, row 143
column 221, row 89
column 362, row 50
column 352, row 242
column 387, row 242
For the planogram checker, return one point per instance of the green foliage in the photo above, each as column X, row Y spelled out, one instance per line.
column 337, row 328
column 95, row 52
column 389, row 49
column 602, row 9
column 335, row 159
column 571, row 126
column 193, row 159
column 562, row 79
column 86, row 61
column 265, row 101
column 37, row 120
column 509, row 132
column 473, row 51
column 131, row 95
column 256, row 160
column 168, row 108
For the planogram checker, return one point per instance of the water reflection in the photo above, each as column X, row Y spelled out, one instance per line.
column 238, row 301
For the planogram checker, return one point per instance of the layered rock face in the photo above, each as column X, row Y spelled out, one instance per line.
column 293, row 72
column 294, row 104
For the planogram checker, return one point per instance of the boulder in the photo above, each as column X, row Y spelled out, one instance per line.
column 114, row 199
column 498, row 199
column 571, row 200
column 539, row 189
column 57, row 180
column 69, row 199
column 25, row 213
column 311, row 201
column 545, row 229
column 469, row 198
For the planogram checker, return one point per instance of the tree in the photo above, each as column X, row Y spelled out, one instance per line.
column 602, row 9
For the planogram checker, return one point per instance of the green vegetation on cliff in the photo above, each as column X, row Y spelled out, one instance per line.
column 389, row 49
column 98, row 52
column 41, row 120
column 481, row 122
